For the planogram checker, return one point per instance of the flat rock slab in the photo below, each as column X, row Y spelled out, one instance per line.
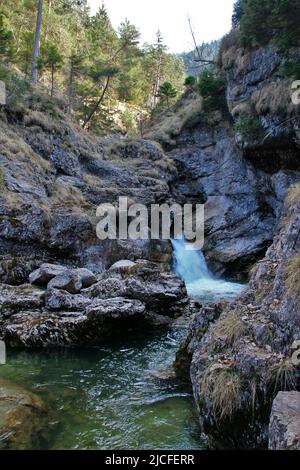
column 284, row 429
column 24, row 418
column 15, row 298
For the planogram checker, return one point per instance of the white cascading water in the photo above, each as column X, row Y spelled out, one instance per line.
column 190, row 265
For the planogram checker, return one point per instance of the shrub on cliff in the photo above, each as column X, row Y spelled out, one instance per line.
column 249, row 127
column 212, row 90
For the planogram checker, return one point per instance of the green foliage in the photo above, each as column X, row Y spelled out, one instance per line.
column 212, row 90
column 16, row 87
column 6, row 38
column 290, row 69
column 262, row 22
column 190, row 81
column 249, row 127
column 80, row 52
column 166, row 92
column 128, row 120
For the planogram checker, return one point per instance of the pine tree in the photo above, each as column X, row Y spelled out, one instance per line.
column 166, row 92
column 52, row 60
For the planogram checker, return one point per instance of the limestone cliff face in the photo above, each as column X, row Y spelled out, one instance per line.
column 239, row 355
column 242, row 164
column 53, row 176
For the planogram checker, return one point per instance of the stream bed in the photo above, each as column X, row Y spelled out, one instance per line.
column 108, row 397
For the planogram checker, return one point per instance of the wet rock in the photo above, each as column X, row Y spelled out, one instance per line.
column 69, row 281
column 160, row 291
column 284, row 429
column 62, row 277
column 24, row 418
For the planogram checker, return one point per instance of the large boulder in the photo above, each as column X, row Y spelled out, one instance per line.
column 66, row 278
column 160, row 291
column 284, row 429
column 69, row 281
column 24, row 418
column 45, row 273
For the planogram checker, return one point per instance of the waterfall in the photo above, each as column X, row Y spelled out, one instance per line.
column 190, row 265
column 200, row 283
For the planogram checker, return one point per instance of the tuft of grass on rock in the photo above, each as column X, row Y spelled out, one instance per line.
column 292, row 271
column 281, row 376
column 230, row 328
column 294, row 194
column 223, row 387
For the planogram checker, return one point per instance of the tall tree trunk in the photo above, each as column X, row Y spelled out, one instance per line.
column 71, row 89
column 36, row 51
column 157, row 79
column 92, row 112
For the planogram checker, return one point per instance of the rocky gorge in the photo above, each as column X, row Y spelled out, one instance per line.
column 61, row 286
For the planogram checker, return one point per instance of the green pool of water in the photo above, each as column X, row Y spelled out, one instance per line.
column 108, row 397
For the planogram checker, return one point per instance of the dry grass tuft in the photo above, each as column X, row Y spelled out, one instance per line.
column 282, row 376
column 292, row 272
column 230, row 328
column 168, row 126
column 274, row 98
column 223, row 387
column 69, row 197
column 294, row 194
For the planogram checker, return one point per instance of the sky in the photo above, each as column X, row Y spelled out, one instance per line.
column 211, row 19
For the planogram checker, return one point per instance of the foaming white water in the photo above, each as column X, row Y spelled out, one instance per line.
column 200, row 283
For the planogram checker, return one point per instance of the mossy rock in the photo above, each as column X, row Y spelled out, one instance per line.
column 24, row 418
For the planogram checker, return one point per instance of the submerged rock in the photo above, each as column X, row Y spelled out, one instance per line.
column 284, row 429
column 24, row 418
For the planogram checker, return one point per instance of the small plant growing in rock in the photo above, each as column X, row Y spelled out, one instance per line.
column 282, row 376
column 223, row 387
column 292, row 271
column 231, row 329
column 249, row 127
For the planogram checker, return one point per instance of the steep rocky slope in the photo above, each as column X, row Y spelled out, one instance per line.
column 239, row 355
column 53, row 176
column 240, row 163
